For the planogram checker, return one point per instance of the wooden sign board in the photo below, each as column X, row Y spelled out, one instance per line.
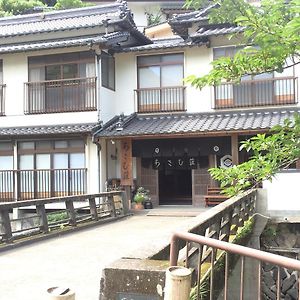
column 126, row 162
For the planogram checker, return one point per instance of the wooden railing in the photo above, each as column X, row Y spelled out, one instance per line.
column 78, row 209
column 166, row 99
column 33, row 184
column 250, row 93
column 2, row 99
column 65, row 95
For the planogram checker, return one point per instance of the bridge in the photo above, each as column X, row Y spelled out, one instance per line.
column 80, row 258
column 76, row 260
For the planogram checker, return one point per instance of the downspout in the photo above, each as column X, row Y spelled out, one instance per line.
column 99, row 116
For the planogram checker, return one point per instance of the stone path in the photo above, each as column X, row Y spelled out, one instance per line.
column 76, row 260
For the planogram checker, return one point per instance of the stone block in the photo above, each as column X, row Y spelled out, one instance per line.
column 144, row 278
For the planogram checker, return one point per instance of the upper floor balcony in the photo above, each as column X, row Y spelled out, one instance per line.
column 252, row 93
column 2, row 99
column 63, row 95
column 163, row 99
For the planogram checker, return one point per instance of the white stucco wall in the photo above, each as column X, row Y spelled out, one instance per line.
column 15, row 74
column 283, row 192
column 93, row 165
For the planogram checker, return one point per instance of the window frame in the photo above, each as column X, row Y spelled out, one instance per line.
column 108, row 59
column 159, row 64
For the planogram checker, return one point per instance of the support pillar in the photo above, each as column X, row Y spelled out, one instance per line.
column 235, row 149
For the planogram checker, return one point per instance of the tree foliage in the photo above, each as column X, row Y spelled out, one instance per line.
column 270, row 153
column 271, row 31
column 17, row 7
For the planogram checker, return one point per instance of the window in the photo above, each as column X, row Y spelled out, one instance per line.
column 51, row 168
column 160, row 70
column 254, row 90
column 6, row 171
column 160, row 83
column 60, row 83
column 108, row 70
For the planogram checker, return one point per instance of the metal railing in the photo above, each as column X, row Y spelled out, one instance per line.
column 65, row 95
column 33, row 184
column 78, row 209
column 166, row 99
column 250, row 93
column 2, row 99
column 243, row 252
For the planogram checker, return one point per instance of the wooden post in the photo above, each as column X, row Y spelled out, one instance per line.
column 93, row 208
column 125, row 203
column 112, row 205
column 71, row 212
column 235, row 149
column 6, row 224
column 41, row 211
column 178, row 283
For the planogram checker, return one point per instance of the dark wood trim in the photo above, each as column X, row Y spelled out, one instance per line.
column 185, row 135
column 235, row 149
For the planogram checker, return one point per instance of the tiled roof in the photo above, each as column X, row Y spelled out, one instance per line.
column 158, row 44
column 190, row 17
column 200, row 123
column 63, row 20
column 219, row 30
column 62, row 43
column 41, row 130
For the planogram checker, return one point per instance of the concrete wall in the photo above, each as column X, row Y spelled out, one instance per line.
column 283, row 193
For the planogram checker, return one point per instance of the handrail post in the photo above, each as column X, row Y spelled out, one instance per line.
column 174, row 251
column 41, row 211
column 6, row 224
column 71, row 212
column 93, row 208
column 112, row 205
column 124, row 203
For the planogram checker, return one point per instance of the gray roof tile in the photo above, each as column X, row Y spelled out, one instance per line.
column 214, row 31
column 143, row 125
column 168, row 43
column 41, row 130
column 62, row 20
column 62, row 43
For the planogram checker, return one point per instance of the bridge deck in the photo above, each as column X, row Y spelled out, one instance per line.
column 76, row 260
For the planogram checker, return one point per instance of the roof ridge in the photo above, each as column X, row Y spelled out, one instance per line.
column 64, row 14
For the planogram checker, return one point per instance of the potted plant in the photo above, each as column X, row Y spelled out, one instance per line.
column 142, row 198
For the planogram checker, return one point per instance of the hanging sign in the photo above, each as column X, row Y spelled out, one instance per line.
column 226, row 161
column 126, row 162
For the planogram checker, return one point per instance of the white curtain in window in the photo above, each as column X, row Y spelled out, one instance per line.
column 36, row 93
column 6, row 177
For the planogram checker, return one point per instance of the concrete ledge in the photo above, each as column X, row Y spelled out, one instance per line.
column 136, row 278
column 46, row 236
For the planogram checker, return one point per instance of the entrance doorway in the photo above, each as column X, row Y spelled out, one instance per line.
column 175, row 187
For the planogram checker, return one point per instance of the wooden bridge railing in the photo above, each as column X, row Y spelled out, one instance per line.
column 76, row 209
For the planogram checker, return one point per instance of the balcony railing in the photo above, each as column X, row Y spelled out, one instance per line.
column 250, row 93
column 164, row 99
column 65, row 95
column 2, row 99
column 34, row 184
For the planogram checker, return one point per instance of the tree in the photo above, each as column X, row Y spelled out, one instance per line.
column 17, row 7
column 270, row 153
column 65, row 4
column 271, row 31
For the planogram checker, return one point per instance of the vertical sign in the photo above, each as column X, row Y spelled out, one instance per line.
column 126, row 162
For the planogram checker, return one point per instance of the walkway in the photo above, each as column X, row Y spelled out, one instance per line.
column 76, row 260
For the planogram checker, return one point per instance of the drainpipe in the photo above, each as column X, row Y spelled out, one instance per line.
column 98, row 83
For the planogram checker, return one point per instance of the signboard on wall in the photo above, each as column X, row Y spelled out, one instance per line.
column 182, row 162
column 126, row 162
